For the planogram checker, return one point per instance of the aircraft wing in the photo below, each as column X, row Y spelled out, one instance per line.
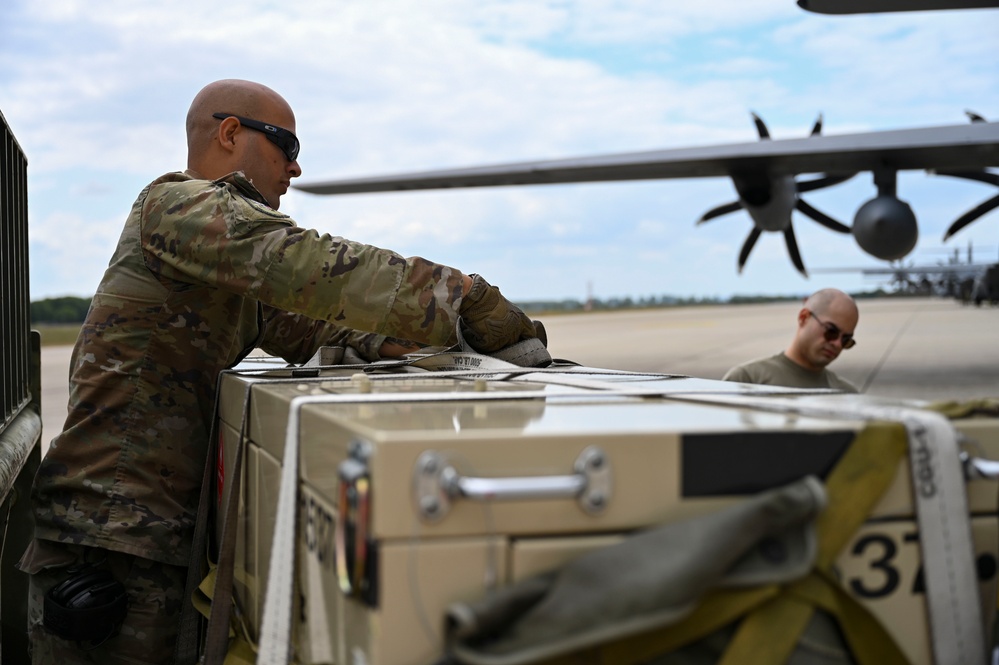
column 879, row 6
column 963, row 147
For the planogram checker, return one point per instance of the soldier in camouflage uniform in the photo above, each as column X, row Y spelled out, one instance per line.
column 207, row 269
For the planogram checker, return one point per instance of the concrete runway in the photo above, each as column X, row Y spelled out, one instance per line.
column 930, row 349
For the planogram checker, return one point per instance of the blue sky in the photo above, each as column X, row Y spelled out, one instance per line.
column 96, row 94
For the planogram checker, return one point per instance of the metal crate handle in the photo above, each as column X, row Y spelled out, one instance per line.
column 437, row 484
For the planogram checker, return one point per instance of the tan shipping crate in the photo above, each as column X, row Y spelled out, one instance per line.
column 668, row 459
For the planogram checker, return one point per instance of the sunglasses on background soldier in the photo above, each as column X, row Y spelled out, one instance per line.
column 833, row 333
column 279, row 136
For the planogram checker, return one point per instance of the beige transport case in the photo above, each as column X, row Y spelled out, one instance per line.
column 582, row 466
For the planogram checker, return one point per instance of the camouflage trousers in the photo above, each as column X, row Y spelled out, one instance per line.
column 155, row 595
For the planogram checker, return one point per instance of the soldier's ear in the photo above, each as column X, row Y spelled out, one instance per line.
column 228, row 129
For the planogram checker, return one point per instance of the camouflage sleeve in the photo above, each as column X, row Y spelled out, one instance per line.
column 296, row 337
column 212, row 233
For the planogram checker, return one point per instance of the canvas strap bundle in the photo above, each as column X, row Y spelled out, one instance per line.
column 774, row 616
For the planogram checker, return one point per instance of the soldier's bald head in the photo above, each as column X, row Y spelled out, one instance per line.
column 821, row 301
column 236, row 96
column 826, row 313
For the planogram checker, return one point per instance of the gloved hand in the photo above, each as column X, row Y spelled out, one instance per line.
column 491, row 322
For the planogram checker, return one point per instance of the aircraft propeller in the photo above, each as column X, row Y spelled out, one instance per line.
column 987, row 177
column 769, row 200
column 985, row 206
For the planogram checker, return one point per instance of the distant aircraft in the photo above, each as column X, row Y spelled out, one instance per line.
column 967, row 281
column 764, row 173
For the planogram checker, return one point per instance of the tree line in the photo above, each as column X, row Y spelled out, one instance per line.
column 73, row 309
column 67, row 309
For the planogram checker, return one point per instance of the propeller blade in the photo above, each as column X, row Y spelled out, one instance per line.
column 817, row 127
column 719, row 211
column 824, row 181
column 760, row 126
column 822, row 218
column 792, row 249
column 972, row 215
column 981, row 176
column 747, row 246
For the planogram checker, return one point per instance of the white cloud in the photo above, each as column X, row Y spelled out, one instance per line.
column 97, row 92
column 74, row 251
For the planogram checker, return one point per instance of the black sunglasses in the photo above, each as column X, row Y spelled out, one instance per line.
column 833, row 333
column 279, row 136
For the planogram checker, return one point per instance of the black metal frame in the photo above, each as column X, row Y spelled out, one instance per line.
column 20, row 396
column 15, row 393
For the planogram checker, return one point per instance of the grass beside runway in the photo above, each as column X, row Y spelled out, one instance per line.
column 58, row 334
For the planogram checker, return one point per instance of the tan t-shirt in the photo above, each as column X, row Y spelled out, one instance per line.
column 779, row 370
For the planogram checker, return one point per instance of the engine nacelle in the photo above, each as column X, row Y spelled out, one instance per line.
column 886, row 228
column 768, row 200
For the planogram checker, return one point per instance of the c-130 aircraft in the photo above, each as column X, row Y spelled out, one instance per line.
column 765, row 174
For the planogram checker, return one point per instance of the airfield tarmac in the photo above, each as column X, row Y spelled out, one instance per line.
column 920, row 348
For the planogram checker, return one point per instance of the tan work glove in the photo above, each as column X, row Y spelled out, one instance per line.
column 491, row 322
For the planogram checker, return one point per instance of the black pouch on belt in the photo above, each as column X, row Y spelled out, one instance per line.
column 89, row 606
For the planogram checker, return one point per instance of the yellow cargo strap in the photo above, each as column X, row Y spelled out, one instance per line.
column 775, row 616
column 202, row 599
column 942, row 516
column 240, row 650
column 770, row 632
column 984, row 408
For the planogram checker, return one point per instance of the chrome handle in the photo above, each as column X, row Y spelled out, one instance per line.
column 979, row 467
column 499, row 489
column 437, row 484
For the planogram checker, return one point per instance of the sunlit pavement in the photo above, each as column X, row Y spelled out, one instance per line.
column 931, row 349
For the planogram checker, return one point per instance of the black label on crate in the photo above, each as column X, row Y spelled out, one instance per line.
column 738, row 463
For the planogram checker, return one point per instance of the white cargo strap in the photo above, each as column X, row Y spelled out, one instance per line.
column 275, row 626
column 945, row 540
column 529, row 352
column 275, row 629
column 468, row 362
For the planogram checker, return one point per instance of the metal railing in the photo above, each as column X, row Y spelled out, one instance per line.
column 20, row 396
column 15, row 388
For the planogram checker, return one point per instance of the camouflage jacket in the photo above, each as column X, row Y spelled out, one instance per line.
column 203, row 273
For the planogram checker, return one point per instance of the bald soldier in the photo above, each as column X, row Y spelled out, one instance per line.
column 825, row 328
column 206, row 269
